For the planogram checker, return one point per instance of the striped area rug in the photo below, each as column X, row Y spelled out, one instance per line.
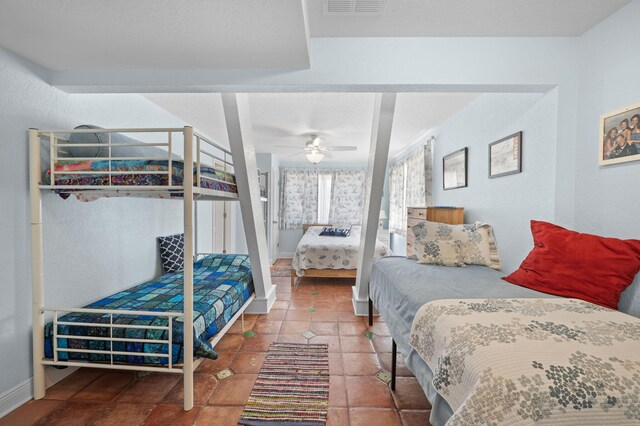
column 292, row 387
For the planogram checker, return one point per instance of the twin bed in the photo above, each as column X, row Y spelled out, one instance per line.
column 329, row 256
column 447, row 314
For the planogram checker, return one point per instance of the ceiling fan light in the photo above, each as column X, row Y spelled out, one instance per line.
column 314, row 157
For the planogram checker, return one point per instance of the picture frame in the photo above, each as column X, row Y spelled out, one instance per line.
column 619, row 140
column 454, row 169
column 505, row 156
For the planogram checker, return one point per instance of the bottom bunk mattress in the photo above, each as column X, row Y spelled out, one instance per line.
column 221, row 286
column 400, row 286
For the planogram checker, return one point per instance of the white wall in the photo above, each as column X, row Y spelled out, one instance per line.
column 509, row 202
column 91, row 249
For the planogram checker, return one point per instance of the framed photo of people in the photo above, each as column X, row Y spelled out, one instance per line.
column 620, row 136
column 454, row 169
column 505, row 156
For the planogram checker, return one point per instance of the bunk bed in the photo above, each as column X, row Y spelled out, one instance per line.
column 147, row 327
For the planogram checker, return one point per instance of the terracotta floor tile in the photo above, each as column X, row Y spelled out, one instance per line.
column 212, row 366
column 374, row 417
column 151, row 389
column 329, row 328
column 172, row 415
column 237, row 326
column 267, row 327
column 409, row 395
column 248, row 362
column 360, row 364
column 71, row 384
column 295, row 327
column 415, row 417
column 356, row 344
column 300, row 304
column 348, row 316
column 346, row 306
column 352, row 328
column 72, row 414
column 273, row 315
column 230, row 343
column 338, row 417
column 203, row 387
column 337, row 392
column 285, row 296
column 280, row 305
column 291, row 338
column 283, row 261
column 382, row 344
column 324, row 316
column 118, row 414
column 259, row 343
column 105, row 388
column 332, row 341
column 324, row 306
column 31, row 412
column 233, row 390
column 380, row 329
column 297, row 315
column 401, row 367
column 335, row 364
column 219, row 416
column 367, row 392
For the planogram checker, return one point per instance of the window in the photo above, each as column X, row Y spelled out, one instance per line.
column 324, row 197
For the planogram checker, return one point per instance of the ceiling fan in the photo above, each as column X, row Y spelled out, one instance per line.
column 315, row 148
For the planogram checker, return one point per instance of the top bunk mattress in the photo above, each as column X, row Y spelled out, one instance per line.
column 222, row 283
column 323, row 252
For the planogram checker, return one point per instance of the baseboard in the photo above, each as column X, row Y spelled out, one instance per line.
column 262, row 306
column 23, row 392
column 285, row 255
column 15, row 397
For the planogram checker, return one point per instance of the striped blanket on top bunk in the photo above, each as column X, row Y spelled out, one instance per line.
column 221, row 285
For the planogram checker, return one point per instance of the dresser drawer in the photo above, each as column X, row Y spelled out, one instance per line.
column 417, row 213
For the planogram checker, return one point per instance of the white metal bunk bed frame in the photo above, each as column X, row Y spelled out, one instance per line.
column 190, row 193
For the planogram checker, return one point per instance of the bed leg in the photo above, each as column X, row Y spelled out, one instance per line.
column 370, row 312
column 293, row 278
column 394, row 359
column 242, row 321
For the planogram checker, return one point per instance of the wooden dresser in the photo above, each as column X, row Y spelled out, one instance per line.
column 450, row 215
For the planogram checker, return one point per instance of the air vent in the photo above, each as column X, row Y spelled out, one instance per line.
column 353, row 7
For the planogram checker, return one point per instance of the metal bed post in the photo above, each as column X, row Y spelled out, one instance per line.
column 37, row 274
column 188, row 268
column 394, row 363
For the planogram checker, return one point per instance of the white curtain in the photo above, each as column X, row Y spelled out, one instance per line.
column 347, row 197
column 299, row 202
column 410, row 185
column 324, row 196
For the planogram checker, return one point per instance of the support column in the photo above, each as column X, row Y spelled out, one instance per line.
column 188, row 270
column 37, row 274
column 378, row 154
column 238, row 119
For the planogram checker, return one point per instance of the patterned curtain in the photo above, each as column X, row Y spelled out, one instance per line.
column 410, row 185
column 299, row 202
column 397, row 210
column 347, row 197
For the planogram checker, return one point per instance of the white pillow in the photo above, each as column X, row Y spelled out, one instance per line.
column 476, row 240
column 444, row 253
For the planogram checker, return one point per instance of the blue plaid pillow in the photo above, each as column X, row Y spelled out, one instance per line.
column 172, row 252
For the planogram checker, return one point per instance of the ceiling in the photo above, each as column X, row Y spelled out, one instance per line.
column 117, row 34
column 340, row 118
column 467, row 18
column 72, row 35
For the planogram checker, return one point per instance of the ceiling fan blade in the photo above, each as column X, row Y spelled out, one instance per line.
column 287, row 146
column 340, row 148
column 297, row 153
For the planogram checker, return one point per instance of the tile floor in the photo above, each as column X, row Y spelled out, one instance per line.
column 316, row 311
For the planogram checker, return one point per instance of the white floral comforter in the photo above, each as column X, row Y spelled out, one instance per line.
column 525, row 361
column 316, row 252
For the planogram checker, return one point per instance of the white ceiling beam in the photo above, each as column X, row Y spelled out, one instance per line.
column 378, row 155
column 238, row 120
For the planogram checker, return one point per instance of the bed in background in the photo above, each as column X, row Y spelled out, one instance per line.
column 329, row 256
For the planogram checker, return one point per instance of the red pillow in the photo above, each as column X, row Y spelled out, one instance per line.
column 583, row 266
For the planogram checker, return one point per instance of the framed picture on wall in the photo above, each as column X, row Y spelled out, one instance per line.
column 620, row 136
column 454, row 169
column 505, row 156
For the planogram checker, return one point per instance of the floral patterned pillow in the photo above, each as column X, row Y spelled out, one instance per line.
column 477, row 243
column 443, row 253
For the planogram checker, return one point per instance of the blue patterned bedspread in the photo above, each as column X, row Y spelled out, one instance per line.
column 221, row 285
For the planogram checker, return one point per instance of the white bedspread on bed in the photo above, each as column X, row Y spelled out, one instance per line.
column 316, row 252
